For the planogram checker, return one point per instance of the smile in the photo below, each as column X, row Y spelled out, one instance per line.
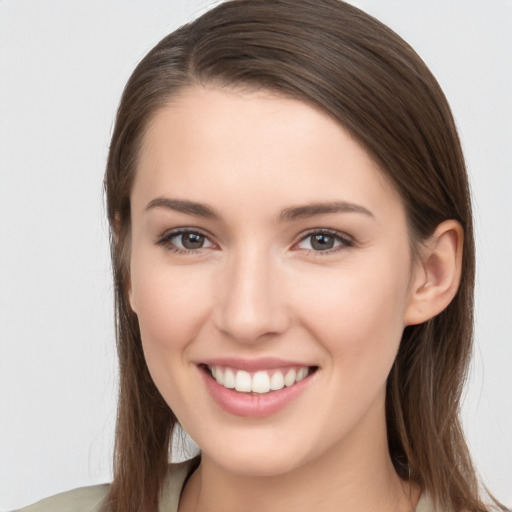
column 256, row 388
column 259, row 382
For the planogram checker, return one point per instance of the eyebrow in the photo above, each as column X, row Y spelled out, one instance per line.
column 188, row 207
column 310, row 210
column 288, row 214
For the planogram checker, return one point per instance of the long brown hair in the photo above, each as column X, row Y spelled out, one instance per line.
column 334, row 56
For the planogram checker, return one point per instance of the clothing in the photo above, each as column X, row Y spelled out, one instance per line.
column 89, row 499
column 425, row 504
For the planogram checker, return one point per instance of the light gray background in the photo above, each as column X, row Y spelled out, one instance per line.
column 62, row 68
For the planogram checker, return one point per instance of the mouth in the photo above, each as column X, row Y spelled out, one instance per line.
column 259, row 382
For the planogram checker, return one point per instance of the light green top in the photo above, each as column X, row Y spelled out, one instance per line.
column 424, row 505
column 89, row 499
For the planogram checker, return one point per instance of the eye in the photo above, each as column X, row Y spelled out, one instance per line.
column 185, row 241
column 324, row 241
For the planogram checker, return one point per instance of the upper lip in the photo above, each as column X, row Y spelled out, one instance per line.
column 251, row 365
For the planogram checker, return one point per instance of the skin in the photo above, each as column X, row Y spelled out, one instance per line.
column 258, row 288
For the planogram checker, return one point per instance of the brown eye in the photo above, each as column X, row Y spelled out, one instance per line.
column 181, row 241
column 322, row 242
column 192, row 240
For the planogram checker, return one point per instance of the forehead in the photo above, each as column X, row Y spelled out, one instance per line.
column 253, row 144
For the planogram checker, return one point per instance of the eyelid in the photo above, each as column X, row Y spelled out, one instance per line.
column 346, row 240
column 165, row 239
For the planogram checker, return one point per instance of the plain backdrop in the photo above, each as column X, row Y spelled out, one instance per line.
column 63, row 64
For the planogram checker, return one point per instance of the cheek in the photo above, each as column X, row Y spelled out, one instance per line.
column 170, row 306
column 358, row 313
column 170, row 309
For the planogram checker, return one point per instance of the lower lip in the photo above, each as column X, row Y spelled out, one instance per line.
column 249, row 405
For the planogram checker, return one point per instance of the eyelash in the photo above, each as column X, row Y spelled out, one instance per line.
column 345, row 241
column 165, row 240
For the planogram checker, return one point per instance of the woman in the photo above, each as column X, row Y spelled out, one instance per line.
column 293, row 262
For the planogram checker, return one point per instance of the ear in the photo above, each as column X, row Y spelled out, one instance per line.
column 437, row 274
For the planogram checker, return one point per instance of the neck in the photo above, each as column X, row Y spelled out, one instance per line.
column 355, row 475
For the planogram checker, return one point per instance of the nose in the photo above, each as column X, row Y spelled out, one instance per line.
column 250, row 304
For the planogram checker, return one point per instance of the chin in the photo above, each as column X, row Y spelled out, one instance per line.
column 256, row 456
column 258, row 465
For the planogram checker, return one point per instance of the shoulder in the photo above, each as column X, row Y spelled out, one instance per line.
column 84, row 499
column 177, row 476
column 90, row 499
column 426, row 504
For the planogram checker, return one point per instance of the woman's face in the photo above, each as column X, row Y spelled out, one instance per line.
column 268, row 253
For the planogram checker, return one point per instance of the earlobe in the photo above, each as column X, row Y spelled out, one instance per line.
column 438, row 272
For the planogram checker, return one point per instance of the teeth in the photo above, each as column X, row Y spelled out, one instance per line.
column 289, row 378
column 218, row 374
column 301, row 374
column 259, row 382
column 243, row 381
column 276, row 381
column 229, row 379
